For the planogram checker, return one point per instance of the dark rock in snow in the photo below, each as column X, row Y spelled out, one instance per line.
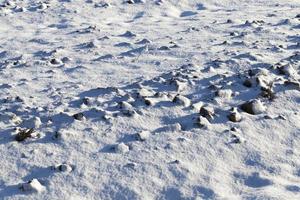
column 78, row 116
column 253, row 107
column 207, row 112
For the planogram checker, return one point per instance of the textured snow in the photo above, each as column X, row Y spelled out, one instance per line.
column 131, row 99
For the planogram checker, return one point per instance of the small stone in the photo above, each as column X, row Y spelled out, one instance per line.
column 281, row 117
column 248, row 23
column 33, row 186
column 207, row 112
column 235, row 116
column 175, row 162
column 121, row 148
column 65, row 59
column 79, row 116
column 253, row 107
column 267, row 93
column 236, row 139
column 149, row 102
column 130, row 1
column 64, row 168
column 130, row 165
column 234, row 33
column 234, row 129
column 120, row 92
column 43, row 6
column 182, row 100
column 20, row 9
column 248, row 83
column 127, row 108
column 102, row 5
column 9, row 3
column 125, row 105
column 268, row 117
column 164, row 48
column 86, row 101
column 203, row 122
column 91, row 44
column 264, row 81
column 55, row 61
column 143, row 135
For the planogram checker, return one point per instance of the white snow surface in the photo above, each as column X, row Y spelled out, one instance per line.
column 119, row 66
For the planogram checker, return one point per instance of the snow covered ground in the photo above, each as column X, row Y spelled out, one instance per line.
column 150, row 99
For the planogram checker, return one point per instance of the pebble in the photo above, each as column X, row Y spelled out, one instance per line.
column 91, row 44
column 248, row 83
column 66, row 59
column 127, row 108
column 182, row 100
column 107, row 116
column 253, row 107
column 43, row 6
column 164, row 48
column 55, row 61
column 102, row 5
column 207, row 112
column 130, row 1
column 33, row 186
column 143, row 135
column 86, row 101
column 64, row 168
column 149, row 102
column 20, row 9
column 79, row 116
column 121, row 148
column 236, row 139
column 203, row 122
column 130, row 165
column 125, row 105
column 235, row 116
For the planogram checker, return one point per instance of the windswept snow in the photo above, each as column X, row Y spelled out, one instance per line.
column 149, row 99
